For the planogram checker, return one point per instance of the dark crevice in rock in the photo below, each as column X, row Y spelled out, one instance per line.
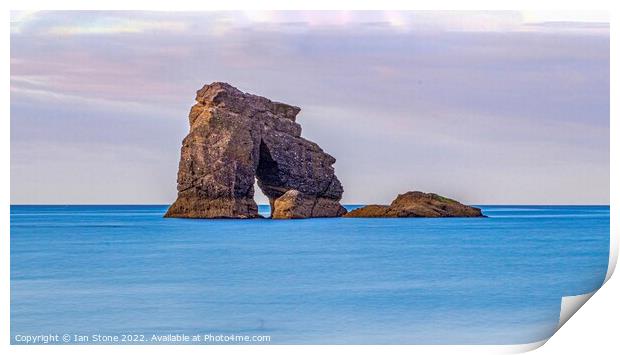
column 267, row 172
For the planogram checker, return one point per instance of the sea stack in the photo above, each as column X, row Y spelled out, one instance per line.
column 236, row 139
column 418, row 204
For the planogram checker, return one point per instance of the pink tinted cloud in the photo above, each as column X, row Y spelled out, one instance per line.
column 81, row 70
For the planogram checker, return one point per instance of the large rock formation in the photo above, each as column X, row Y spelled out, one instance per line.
column 236, row 138
column 418, row 204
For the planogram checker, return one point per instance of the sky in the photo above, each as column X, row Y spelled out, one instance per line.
column 484, row 107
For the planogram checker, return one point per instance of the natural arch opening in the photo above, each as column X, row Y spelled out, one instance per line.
column 268, row 176
column 262, row 201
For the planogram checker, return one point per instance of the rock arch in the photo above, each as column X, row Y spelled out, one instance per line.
column 236, row 138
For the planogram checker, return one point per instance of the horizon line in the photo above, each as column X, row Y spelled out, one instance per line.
column 344, row 204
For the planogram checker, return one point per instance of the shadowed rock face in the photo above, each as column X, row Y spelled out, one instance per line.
column 418, row 204
column 236, row 138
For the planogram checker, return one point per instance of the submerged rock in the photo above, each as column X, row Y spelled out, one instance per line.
column 418, row 204
column 236, row 138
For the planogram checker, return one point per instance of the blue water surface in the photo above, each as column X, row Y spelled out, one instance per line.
column 125, row 269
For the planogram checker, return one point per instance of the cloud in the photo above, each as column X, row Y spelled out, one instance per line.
column 118, row 26
column 20, row 19
column 67, row 23
column 220, row 23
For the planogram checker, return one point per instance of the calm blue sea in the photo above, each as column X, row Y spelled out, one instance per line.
column 116, row 270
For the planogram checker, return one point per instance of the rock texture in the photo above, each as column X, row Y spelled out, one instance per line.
column 236, row 138
column 418, row 204
column 294, row 204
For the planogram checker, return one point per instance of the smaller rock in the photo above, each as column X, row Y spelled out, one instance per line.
column 372, row 211
column 418, row 204
column 294, row 205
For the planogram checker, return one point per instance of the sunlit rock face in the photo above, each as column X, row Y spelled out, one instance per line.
column 294, row 204
column 236, row 138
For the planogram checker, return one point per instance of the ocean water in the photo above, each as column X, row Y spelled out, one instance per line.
column 119, row 270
